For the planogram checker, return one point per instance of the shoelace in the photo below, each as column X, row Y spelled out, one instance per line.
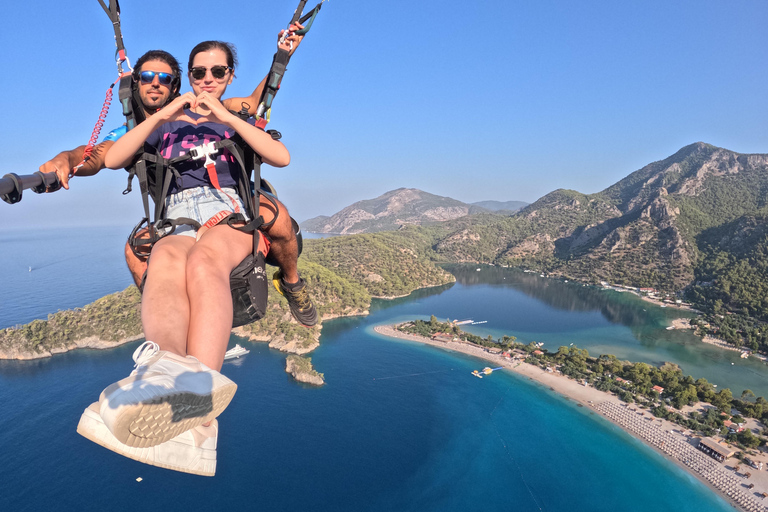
column 302, row 298
column 144, row 352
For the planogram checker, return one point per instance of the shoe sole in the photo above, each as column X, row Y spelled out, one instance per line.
column 92, row 428
column 158, row 420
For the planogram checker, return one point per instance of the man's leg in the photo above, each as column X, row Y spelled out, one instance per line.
column 285, row 251
column 284, row 247
column 136, row 266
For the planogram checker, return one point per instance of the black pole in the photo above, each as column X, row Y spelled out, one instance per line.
column 11, row 185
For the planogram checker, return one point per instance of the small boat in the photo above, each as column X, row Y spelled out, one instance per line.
column 744, row 355
column 234, row 352
column 671, row 328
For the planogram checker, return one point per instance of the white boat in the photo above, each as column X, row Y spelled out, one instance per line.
column 234, row 352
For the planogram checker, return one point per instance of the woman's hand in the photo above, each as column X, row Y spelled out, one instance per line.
column 212, row 109
column 174, row 111
column 292, row 41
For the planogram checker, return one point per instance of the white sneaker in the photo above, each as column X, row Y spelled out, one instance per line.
column 193, row 451
column 165, row 395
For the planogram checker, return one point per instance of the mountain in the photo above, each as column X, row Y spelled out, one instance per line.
column 663, row 226
column 501, row 206
column 391, row 211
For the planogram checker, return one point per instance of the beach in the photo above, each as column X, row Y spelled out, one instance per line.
column 667, row 438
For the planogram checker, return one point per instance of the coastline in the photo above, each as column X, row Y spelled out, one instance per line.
column 682, row 323
column 661, row 435
column 92, row 342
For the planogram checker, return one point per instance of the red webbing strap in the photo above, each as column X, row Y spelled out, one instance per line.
column 263, row 244
column 211, row 168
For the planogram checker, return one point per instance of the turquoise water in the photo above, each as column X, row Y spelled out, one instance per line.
column 398, row 426
column 602, row 321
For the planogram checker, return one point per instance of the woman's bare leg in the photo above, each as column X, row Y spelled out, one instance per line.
column 210, row 261
column 164, row 303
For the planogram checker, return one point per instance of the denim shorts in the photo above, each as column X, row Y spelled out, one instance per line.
column 201, row 204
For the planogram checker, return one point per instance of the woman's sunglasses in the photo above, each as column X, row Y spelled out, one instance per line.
column 148, row 76
column 218, row 72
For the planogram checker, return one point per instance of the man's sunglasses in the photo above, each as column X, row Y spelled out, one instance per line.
column 148, row 76
column 218, row 72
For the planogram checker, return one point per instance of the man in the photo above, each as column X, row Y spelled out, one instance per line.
column 155, row 90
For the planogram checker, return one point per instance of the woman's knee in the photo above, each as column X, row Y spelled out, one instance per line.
column 203, row 262
column 168, row 256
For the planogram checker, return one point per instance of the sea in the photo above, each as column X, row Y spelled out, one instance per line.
column 398, row 426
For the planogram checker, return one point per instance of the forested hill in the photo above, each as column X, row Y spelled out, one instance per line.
column 397, row 208
column 697, row 218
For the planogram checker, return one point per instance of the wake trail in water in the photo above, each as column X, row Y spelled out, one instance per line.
column 412, row 375
column 57, row 262
column 509, row 454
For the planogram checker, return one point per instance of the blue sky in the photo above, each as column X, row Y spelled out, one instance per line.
column 474, row 100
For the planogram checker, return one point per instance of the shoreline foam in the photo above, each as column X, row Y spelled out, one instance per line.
column 663, row 436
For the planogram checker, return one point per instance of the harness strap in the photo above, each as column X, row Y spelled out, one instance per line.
column 113, row 11
column 208, row 151
column 311, row 15
column 280, row 63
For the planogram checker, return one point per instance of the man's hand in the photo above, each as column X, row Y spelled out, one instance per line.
column 60, row 165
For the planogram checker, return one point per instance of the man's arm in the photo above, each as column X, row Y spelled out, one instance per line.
column 63, row 163
column 291, row 44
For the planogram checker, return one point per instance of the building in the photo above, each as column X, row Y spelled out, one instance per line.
column 716, row 450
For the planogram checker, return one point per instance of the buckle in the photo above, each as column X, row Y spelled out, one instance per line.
column 206, row 151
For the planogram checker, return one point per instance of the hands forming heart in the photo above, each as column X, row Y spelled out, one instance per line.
column 211, row 109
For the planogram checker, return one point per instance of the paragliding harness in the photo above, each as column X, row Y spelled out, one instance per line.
column 248, row 281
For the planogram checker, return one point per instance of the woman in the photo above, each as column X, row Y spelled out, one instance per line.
column 187, row 305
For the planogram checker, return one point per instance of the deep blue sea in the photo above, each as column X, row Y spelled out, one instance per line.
column 398, row 425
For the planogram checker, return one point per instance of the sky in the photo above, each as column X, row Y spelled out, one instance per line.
column 474, row 100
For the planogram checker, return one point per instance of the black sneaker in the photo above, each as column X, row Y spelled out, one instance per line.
column 299, row 301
